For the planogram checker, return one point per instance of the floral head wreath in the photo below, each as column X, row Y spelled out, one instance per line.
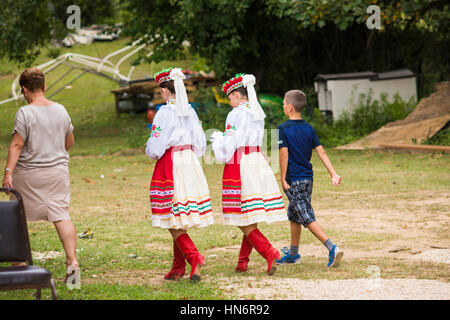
column 177, row 76
column 247, row 81
column 233, row 84
column 163, row 76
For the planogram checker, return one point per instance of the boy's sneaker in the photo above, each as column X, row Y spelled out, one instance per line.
column 287, row 258
column 335, row 256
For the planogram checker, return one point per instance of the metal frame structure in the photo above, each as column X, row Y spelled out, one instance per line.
column 99, row 66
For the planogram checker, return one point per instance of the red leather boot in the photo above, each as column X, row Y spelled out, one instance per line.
column 264, row 248
column 246, row 249
column 179, row 264
column 191, row 253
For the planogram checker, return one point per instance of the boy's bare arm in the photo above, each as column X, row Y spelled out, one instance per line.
column 335, row 179
column 284, row 157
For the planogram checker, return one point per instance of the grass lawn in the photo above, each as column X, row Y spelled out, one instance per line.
column 390, row 208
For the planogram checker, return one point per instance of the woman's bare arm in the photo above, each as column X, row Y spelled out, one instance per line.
column 15, row 149
column 70, row 141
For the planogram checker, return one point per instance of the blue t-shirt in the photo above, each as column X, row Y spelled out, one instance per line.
column 300, row 139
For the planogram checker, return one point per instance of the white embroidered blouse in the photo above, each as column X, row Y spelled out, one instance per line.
column 169, row 130
column 240, row 130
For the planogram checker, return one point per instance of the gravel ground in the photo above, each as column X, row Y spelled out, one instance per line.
column 351, row 289
column 46, row 255
column 436, row 255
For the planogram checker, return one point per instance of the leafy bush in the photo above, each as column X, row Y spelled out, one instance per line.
column 371, row 114
column 367, row 116
column 441, row 138
column 54, row 52
column 212, row 113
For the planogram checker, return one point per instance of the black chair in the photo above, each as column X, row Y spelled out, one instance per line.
column 15, row 247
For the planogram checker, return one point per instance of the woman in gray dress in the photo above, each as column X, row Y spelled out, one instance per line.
column 37, row 165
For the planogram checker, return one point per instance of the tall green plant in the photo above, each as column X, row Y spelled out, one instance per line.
column 211, row 113
column 368, row 115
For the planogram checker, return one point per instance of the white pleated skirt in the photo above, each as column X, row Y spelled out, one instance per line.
column 260, row 196
column 187, row 204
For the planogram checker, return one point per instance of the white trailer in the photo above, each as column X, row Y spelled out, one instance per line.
column 338, row 93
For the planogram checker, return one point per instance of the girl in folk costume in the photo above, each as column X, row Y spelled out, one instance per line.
column 179, row 194
column 250, row 192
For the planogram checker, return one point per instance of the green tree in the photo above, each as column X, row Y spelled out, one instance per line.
column 28, row 25
column 286, row 43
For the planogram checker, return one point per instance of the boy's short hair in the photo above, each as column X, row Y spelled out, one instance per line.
column 296, row 98
column 33, row 79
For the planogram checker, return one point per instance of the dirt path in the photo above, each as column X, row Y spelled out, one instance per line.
column 404, row 230
column 408, row 231
column 351, row 289
column 245, row 288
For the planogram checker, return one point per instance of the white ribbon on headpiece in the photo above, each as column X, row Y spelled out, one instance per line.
column 248, row 80
column 181, row 103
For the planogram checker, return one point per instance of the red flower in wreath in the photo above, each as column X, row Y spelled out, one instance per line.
column 154, row 127
column 229, row 126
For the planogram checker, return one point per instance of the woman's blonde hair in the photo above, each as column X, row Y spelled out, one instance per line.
column 33, row 79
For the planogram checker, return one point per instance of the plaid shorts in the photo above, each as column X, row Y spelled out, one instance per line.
column 299, row 195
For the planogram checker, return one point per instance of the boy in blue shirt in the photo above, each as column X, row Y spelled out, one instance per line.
column 297, row 139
